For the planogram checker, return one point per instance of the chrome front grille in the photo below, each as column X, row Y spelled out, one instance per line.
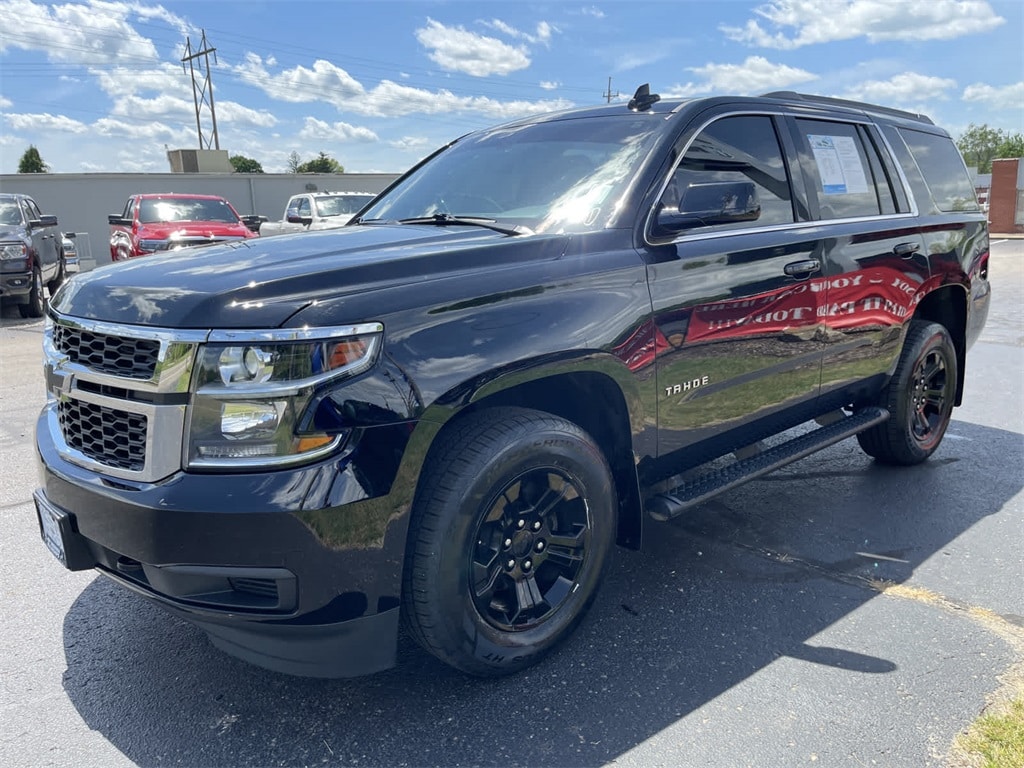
column 118, row 395
column 105, row 353
column 112, row 437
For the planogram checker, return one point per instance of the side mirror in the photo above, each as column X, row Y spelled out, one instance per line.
column 253, row 221
column 44, row 220
column 294, row 218
column 715, row 202
column 117, row 220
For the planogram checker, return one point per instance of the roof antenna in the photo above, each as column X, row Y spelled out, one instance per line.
column 643, row 98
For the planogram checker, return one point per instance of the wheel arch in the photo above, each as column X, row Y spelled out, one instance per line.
column 947, row 306
column 603, row 400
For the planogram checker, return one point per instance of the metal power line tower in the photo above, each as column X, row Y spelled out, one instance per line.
column 202, row 93
column 609, row 95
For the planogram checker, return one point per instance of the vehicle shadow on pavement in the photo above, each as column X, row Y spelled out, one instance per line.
column 740, row 583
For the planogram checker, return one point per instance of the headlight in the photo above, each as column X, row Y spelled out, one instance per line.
column 255, row 393
column 12, row 251
column 148, row 246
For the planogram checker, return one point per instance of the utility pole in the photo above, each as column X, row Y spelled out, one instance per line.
column 202, row 95
column 609, row 95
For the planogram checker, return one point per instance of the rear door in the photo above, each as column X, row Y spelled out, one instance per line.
column 736, row 302
column 873, row 257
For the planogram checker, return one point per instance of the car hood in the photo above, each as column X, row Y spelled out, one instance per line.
column 12, row 233
column 260, row 283
column 184, row 229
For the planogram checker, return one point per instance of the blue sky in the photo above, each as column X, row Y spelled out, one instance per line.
column 99, row 86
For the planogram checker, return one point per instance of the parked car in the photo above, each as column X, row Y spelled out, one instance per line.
column 72, row 264
column 317, row 210
column 31, row 254
column 545, row 339
column 151, row 223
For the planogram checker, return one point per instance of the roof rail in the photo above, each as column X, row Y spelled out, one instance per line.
column 850, row 104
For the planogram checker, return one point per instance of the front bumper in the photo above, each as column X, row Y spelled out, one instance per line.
column 15, row 285
column 296, row 570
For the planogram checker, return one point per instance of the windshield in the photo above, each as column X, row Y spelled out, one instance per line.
column 563, row 175
column 341, row 205
column 10, row 213
column 166, row 210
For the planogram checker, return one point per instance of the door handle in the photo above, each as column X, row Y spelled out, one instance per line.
column 906, row 250
column 802, row 268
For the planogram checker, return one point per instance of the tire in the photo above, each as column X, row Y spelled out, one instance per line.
column 919, row 397
column 510, row 534
column 59, row 279
column 36, row 305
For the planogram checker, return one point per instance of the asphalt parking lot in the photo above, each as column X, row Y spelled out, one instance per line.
column 836, row 613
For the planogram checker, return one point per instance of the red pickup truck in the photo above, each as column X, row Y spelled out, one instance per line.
column 152, row 223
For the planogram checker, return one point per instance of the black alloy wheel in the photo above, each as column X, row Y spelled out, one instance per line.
column 530, row 549
column 511, row 530
column 920, row 398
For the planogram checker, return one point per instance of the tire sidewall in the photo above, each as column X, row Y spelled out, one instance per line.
column 471, row 632
column 936, row 339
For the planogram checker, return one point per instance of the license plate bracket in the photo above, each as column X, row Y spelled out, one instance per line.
column 56, row 527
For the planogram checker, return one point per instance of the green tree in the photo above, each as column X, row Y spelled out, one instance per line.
column 1011, row 146
column 31, row 162
column 978, row 145
column 243, row 164
column 321, row 164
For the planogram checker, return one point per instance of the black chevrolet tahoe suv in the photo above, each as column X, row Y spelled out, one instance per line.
column 541, row 340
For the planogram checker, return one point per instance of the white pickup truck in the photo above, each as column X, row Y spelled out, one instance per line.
column 317, row 210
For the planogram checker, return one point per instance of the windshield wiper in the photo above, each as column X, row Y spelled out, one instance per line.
column 445, row 219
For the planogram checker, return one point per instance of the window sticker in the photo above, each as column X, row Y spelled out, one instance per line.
column 839, row 165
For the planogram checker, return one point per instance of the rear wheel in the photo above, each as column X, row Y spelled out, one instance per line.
column 508, row 540
column 919, row 397
column 36, row 305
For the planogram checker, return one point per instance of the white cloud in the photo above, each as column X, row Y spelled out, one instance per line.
column 90, row 33
column 902, row 89
column 1004, row 97
column 4, row 103
column 455, row 49
column 45, row 123
column 549, row 85
column 597, row 13
column 333, row 85
column 318, row 129
column 795, row 23
column 324, row 82
column 755, row 75
column 409, row 143
column 541, row 36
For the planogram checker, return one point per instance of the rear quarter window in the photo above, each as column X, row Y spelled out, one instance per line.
column 943, row 170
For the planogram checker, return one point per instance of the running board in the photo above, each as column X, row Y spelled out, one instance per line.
column 665, row 506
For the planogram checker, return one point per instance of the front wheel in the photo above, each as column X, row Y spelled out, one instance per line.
column 509, row 537
column 919, row 397
column 36, row 305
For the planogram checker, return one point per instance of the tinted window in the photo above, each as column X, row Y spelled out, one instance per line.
column 943, row 170
column 838, row 168
column 742, row 152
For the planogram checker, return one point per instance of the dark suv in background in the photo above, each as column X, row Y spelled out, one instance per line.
column 542, row 340
column 31, row 254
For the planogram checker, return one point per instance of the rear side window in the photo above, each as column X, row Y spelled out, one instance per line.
column 734, row 154
column 843, row 170
column 943, row 170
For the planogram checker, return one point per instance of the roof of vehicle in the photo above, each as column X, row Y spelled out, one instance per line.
column 643, row 101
